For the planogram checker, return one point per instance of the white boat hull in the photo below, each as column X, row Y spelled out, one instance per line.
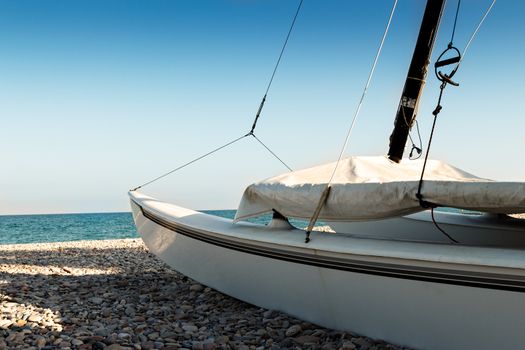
column 422, row 295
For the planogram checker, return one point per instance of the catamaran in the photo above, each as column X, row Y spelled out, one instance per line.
column 394, row 269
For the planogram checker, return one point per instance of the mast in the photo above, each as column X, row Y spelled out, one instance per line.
column 415, row 81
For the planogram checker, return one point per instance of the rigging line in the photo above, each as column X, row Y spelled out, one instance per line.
column 269, row 150
column 414, row 147
column 256, row 117
column 440, row 229
column 455, row 22
column 276, row 66
column 284, row 46
column 420, row 149
column 190, row 162
column 345, row 144
column 476, row 31
column 324, row 195
column 436, row 111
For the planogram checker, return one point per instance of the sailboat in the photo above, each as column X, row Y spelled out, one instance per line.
column 393, row 269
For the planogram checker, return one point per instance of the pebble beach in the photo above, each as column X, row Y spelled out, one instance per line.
column 114, row 294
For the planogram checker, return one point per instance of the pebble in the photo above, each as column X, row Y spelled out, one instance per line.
column 40, row 342
column 96, row 300
column 196, row 288
column 116, row 347
column 115, row 295
column 77, row 342
column 306, row 339
column 293, row 331
column 190, row 328
column 347, row 345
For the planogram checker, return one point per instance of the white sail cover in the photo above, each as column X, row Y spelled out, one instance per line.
column 370, row 188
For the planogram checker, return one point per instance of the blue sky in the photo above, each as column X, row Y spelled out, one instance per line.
column 100, row 96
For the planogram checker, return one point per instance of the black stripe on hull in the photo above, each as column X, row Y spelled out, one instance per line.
column 442, row 276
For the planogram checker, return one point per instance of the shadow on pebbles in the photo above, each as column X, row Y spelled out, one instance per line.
column 115, row 295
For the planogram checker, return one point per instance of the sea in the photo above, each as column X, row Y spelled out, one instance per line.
column 49, row 228
column 77, row 227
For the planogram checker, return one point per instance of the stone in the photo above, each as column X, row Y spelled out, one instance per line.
column 209, row 345
column 153, row 335
column 12, row 337
column 40, row 342
column 318, row 333
column 76, row 342
column 115, row 347
column 123, row 335
column 96, row 300
column 197, row 345
column 130, row 311
column 106, row 312
column 223, row 339
column 98, row 346
column 148, row 345
column 167, row 334
column 347, row 345
column 363, row 343
column 270, row 314
column 293, row 330
column 6, row 323
column 127, row 299
column 286, row 343
column 305, row 339
column 196, row 288
column 34, row 318
column 103, row 332
column 190, row 328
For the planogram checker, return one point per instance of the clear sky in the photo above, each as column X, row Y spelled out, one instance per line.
column 97, row 97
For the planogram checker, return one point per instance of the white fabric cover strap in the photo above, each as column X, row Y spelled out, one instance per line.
column 371, row 188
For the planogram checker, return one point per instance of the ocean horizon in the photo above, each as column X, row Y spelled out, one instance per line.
column 48, row 228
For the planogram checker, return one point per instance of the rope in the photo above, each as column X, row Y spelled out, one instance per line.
column 269, row 150
column 261, row 105
column 419, row 149
column 422, row 202
column 477, row 29
column 444, row 81
column 455, row 22
column 190, row 162
column 436, row 111
column 359, row 105
column 324, row 196
column 211, row 152
column 439, row 228
column 275, row 68
column 313, row 219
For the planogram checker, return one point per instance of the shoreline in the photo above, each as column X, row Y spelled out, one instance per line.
column 114, row 294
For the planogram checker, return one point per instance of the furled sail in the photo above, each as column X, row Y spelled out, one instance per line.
column 371, row 188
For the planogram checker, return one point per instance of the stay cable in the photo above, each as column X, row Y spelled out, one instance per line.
column 326, row 191
column 258, row 114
